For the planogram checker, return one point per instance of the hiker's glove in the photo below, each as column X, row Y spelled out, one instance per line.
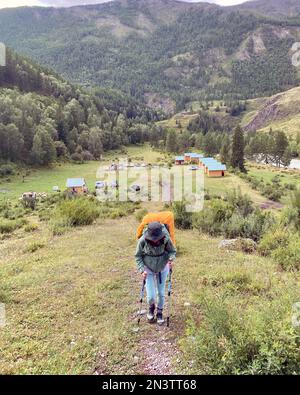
column 171, row 264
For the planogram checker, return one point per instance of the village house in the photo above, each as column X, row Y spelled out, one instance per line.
column 77, row 186
column 179, row 160
column 216, row 170
column 211, row 166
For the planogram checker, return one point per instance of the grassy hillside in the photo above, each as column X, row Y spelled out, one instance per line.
column 280, row 112
column 71, row 303
column 159, row 52
column 72, row 300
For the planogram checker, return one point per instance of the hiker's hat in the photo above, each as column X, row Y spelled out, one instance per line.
column 154, row 232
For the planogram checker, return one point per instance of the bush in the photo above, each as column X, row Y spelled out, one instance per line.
column 33, row 247
column 271, row 240
column 8, row 226
column 240, row 202
column 288, row 257
column 77, row 157
column 211, row 219
column 31, row 228
column 257, row 224
column 234, row 217
column 7, row 170
column 183, row 219
column 296, row 207
column 87, row 156
column 78, row 212
column 10, row 211
column 254, row 340
column 272, row 192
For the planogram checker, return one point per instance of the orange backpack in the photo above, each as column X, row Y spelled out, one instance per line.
column 165, row 217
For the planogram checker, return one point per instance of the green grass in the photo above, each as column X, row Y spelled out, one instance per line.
column 267, row 173
column 288, row 119
column 71, row 304
column 71, row 299
column 44, row 179
column 219, row 186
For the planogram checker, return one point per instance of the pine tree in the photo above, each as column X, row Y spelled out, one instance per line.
column 225, row 150
column 171, row 142
column 237, row 150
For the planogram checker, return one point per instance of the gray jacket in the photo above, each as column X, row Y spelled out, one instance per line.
column 154, row 258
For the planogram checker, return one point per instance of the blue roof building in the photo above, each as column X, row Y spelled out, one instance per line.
column 76, row 182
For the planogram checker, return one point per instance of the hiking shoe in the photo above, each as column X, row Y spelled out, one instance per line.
column 150, row 315
column 159, row 317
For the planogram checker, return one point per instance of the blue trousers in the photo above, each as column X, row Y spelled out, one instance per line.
column 155, row 287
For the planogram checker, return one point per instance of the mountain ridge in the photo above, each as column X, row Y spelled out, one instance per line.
column 176, row 52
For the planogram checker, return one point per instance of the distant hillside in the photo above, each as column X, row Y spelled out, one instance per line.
column 163, row 53
column 43, row 117
column 280, row 112
column 274, row 8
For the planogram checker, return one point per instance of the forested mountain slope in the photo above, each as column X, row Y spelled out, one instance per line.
column 275, row 8
column 43, row 117
column 163, row 53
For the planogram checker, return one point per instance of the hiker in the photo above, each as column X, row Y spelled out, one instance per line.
column 154, row 256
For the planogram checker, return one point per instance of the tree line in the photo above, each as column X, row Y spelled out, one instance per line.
column 44, row 118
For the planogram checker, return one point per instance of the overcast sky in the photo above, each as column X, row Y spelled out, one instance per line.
column 63, row 3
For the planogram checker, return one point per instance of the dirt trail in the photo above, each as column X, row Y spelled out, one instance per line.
column 158, row 352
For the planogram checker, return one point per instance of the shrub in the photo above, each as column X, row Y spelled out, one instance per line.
column 33, row 247
column 234, row 226
column 257, row 224
column 31, row 228
column 183, row 219
column 10, row 211
column 240, row 202
column 253, row 340
column 272, row 192
column 271, row 240
column 87, row 156
column 288, row 257
column 58, row 228
column 78, row 212
column 296, row 207
column 8, row 226
column 7, row 170
column 77, row 157
column 210, row 221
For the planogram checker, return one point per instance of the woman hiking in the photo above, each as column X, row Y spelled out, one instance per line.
column 155, row 254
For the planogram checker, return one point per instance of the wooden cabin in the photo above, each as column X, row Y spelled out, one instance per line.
column 77, row 186
column 187, row 157
column 179, row 160
column 204, row 162
column 216, row 170
column 195, row 159
column 191, row 157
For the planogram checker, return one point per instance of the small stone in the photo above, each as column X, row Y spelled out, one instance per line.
column 135, row 359
column 187, row 304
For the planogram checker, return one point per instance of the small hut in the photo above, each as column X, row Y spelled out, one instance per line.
column 179, row 160
column 216, row 170
column 77, row 186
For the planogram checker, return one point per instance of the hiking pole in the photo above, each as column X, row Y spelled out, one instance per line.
column 169, row 297
column 141, row 300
